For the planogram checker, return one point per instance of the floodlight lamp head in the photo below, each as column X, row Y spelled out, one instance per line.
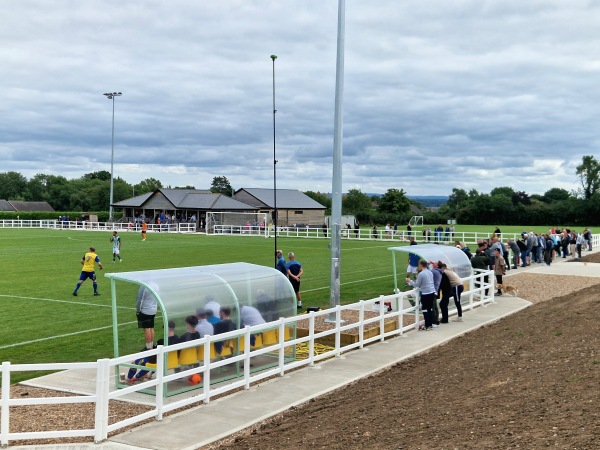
column 273, row 57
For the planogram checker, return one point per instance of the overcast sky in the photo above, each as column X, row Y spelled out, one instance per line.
column 438, row 94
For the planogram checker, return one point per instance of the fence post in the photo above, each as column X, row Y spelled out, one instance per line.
column 160, row 387
column 361, row 323
column 400, row 308
column 281, row 343
column 416, row 294
column 247, row 345
column 381, row 318
column 102, row 389
column 311, row 338
column 4, row 426
column 207, row 367
column 338, row 324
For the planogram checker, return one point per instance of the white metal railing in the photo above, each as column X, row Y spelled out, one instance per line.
column 244, row 230
column 469, row 238
column 99, row 226
column 477, row 293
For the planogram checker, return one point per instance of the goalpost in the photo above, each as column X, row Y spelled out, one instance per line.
column 416, row 221
column 246, row 224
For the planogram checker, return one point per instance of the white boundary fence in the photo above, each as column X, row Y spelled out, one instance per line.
column 365, row 233
column 479, row 294
column 98, row 226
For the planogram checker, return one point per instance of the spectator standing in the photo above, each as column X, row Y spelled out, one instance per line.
column 523, row 249
column 481, row 261
column 514, row 248
column 456, row 289
column 146, row 307
column 572, row 243
column 587, row 235
column 579, row 240
column 295, row 271
column 548, row 249
column 437, row 280
column 564, row 242
column 443, row 289
column 281, row 262
column 534, row 247
column 424, row 283
column 499, row 270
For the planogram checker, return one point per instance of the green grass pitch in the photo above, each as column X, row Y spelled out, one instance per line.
column 43, row 322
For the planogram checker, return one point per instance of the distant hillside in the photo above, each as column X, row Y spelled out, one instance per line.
column 430, row 200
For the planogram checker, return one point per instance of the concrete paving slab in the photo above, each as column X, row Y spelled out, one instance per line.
column 565, row 267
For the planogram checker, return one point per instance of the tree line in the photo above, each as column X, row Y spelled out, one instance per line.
column 503, row 205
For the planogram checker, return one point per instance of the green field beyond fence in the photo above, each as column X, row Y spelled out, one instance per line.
column 43, row 322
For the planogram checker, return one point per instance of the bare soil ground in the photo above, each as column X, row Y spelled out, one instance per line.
column 529, row 381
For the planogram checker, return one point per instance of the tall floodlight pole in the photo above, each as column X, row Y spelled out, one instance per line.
column 273, row 58
column 336, row 192
column 111, row 96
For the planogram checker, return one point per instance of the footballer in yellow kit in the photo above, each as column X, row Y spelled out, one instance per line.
column 89, row 260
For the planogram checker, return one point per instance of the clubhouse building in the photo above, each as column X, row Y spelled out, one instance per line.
column 191, row 205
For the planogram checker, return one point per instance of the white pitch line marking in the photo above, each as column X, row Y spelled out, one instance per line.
column 349, row 282
column 64, row 301
column 19, row 344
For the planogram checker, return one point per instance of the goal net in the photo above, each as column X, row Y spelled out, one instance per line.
column 249, row 224
column 416, row 221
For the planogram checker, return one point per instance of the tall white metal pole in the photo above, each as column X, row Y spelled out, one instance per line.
column 112, row 160
column 111, row 96
column 336, row 192
column 273, row 58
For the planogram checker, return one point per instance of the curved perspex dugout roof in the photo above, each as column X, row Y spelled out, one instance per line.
column 180, row 292
column 453, row 257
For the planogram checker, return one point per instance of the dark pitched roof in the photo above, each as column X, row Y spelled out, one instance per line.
column 30, row 206
column 212, row 201
column 6, row 206
column 176, row 196
column 188, row 199
column 286, row 198
column 134, row 202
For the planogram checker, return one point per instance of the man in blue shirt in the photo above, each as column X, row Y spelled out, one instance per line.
column 294, row 271
column 281, row 262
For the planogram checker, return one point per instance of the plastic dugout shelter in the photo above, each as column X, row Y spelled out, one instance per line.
column 453, row 257
column 180, row 292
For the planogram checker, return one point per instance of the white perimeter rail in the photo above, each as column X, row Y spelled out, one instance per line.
column 365, row 233
column 98, row 226
column 479, row 294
